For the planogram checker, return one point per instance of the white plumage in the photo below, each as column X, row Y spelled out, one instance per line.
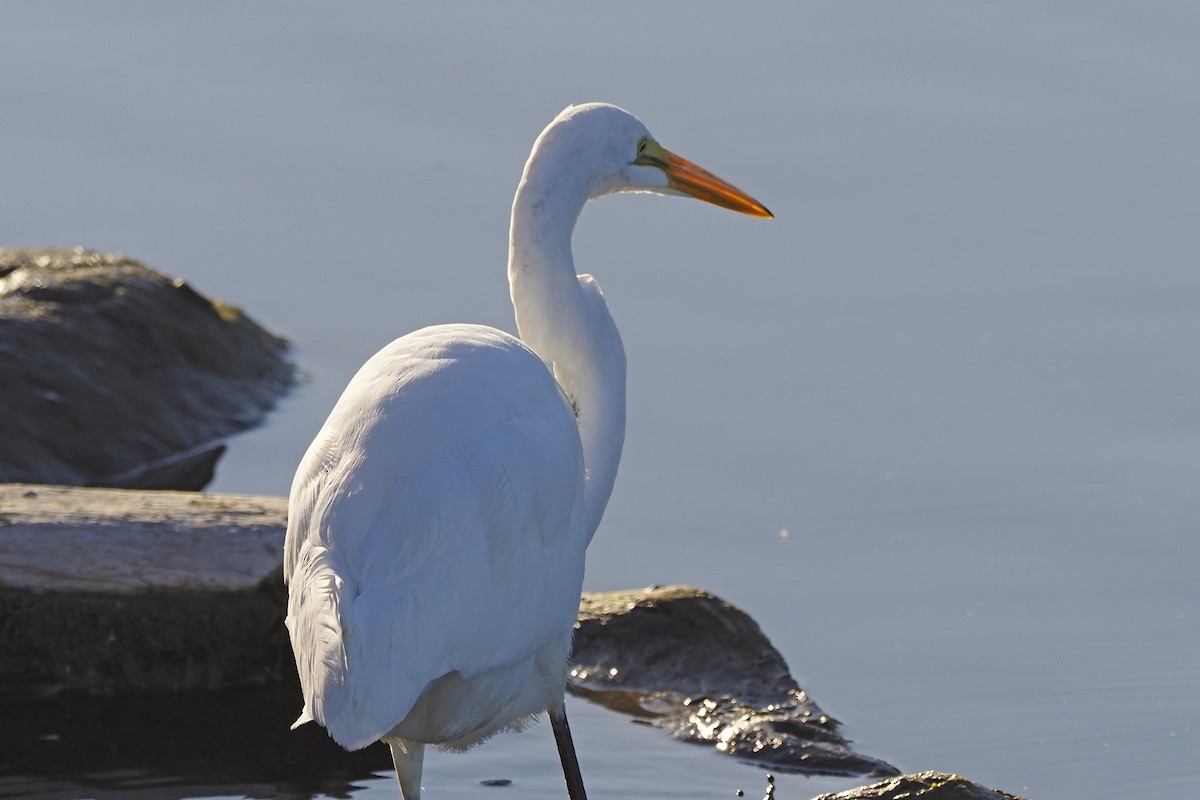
column 412, row 527
column 438, row 523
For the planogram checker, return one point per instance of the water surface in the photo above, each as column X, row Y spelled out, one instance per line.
column 935, row 426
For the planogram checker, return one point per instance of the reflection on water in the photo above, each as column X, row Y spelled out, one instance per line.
column 174, row 746
column 237, row 744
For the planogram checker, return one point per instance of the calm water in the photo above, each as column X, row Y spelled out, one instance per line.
column 935, row 426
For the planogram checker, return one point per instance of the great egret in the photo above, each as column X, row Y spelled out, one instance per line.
column 438, row 522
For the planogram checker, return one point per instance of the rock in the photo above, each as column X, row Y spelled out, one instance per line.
column 924, row 785
column 106, row 590
column 701, row 669
column 116, row 375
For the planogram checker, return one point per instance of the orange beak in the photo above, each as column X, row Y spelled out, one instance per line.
column 691, row 179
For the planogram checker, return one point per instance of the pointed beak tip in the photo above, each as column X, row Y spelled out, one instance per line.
column 687, row 178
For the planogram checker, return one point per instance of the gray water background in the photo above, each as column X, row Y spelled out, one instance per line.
column 935, row 427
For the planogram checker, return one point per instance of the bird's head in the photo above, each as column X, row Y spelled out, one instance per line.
column 607, row 149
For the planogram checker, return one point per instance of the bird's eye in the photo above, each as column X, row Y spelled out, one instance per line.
column 648, row 153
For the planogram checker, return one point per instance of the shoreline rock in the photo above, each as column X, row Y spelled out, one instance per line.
column 927, row 785
column 701, row 670
column 117, row 375
column 107, row 590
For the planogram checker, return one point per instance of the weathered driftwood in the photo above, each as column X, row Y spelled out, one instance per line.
column 116, row 375
column 702, row 670
column 109, row 590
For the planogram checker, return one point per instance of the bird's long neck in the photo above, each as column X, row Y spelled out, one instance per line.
column 564, row 319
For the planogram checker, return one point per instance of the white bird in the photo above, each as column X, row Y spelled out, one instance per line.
column 437, row 524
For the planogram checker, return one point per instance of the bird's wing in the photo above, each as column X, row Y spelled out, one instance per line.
column 435, row 525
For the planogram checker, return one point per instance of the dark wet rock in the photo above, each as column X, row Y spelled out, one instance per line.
column 116, row 375
column 923, row 785
column 701, row 670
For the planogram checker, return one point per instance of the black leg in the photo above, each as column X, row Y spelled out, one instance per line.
column 566, row 752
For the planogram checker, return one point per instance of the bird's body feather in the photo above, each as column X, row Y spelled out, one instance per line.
column 436, row 530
